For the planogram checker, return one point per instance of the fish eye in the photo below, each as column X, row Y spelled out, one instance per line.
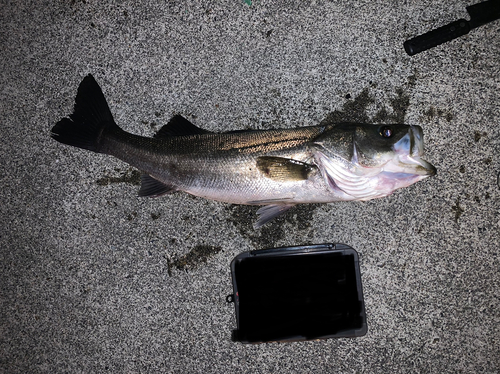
column 386, row 131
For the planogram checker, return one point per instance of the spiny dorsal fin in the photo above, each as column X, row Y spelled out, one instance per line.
column 151, row 187
column 283, row 169
column 179, row 126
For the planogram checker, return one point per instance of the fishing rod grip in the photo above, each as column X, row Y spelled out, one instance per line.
column 436, row 37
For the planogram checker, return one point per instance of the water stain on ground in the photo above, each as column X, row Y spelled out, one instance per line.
column 352, row 111
column 244, row 217
column 196, row 256
column 356, row 110
column 131, row 216
column 433, row 112
column 478, row 135
column 130, row 176
column 457, row 209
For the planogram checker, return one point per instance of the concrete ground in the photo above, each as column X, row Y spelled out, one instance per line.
column 95, row 279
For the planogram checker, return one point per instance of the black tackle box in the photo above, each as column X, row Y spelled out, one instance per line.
column 297, row 293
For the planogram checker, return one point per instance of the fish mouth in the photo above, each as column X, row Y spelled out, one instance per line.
column 409, row 151
column 416, row 165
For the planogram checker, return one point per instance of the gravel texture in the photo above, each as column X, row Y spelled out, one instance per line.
column 96, row 279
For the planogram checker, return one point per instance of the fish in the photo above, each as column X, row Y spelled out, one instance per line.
column 273, row 168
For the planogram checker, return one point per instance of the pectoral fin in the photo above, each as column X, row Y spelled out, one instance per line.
column 283, row 169
column 269, row 212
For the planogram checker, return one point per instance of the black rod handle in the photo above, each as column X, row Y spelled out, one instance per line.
column 436, row 37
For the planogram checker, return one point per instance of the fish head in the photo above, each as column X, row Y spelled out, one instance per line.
column 368, row 161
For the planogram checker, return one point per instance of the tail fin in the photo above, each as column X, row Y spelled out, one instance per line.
column 91, row 116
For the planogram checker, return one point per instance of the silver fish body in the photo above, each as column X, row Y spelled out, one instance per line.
column 274, row 168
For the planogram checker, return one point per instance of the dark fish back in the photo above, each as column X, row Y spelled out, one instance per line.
column 248, row 142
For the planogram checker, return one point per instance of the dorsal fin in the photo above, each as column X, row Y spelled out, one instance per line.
column 179, row 126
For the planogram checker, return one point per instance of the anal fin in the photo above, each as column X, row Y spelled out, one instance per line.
column 151, row 187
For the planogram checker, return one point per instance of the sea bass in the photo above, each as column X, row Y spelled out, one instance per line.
column 273, row 168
